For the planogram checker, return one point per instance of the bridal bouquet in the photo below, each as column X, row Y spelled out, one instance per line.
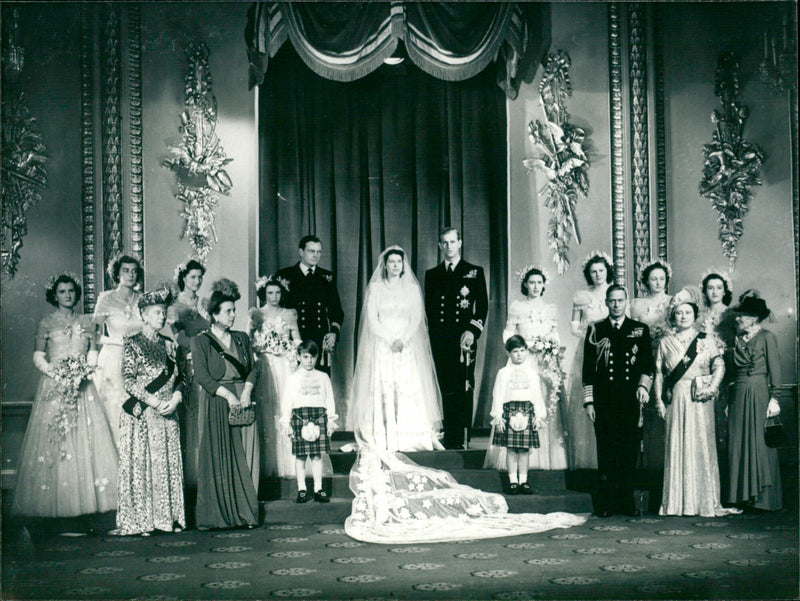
column 550, row 356
column 69, row 374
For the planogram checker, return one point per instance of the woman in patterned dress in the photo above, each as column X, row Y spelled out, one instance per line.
column 537, row 322
column 116, row 315
column 188, row 317
column 228, row 455
column 685, row 399
column 150, row 464
column 651, row 309
column 588, row 306
column 68, row 462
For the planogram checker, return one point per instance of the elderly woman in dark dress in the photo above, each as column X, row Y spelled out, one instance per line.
column 755, row 479
column 228, row 461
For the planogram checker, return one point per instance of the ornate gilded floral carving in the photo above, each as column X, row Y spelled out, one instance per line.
column 560, row 156
column 199, row 159
column 732, row 165
column 23, row 157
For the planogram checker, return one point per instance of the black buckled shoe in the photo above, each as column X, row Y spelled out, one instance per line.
column 525, row 489
column 303, row 496
column 321, row 497
column 513, row 489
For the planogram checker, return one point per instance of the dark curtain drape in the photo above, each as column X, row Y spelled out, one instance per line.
column 388, row 159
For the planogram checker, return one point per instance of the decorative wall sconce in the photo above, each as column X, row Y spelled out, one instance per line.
column 199, row 159
column 560, row 156
column 23, row 157
column 732, row 165
column 778, row 66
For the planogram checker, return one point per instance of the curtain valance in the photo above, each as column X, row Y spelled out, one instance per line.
column 453, row 41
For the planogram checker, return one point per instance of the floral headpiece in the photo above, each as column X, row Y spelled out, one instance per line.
column 521, row 272
column 596, row 254
column 659, row 263
column 265, row 280
column 53, row 278
column 720, row 273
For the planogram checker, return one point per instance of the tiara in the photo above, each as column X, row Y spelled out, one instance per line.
column 720, row 273
column 521, row 272
column 161, row 295
column 659, row 263
column 596, row 254
column 52, row 281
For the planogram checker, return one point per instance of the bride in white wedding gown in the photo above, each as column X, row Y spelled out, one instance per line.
column 395, row 405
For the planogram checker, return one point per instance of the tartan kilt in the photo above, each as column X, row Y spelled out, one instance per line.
column 524, row 439
column 301, row 447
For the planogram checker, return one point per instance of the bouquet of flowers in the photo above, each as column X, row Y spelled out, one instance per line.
column 269, row 339
column 550, row 357
column 69, row 373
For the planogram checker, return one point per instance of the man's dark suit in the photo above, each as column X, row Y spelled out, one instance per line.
column 319, row 309
column 454, row 303
column 615, row 364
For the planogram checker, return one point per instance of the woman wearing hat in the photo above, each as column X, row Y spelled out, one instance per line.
column 228, row 454
column 755, row 479
column 689, row 370
column 150, row 465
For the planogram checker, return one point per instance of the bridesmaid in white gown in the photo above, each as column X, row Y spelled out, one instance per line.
column 68, row 462
column 651, row 309
column 684, row 397
column 394, row 382
column 588, row 306
column 116, row 315
column 537, row 322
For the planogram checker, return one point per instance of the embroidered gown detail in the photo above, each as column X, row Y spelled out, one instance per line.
column 150, row 466
column 68, row 460
column 691, row 470
column 536, row 322
column 117, row 320
column 582, row 446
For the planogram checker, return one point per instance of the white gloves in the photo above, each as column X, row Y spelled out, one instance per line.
column 773, row 409
column 41, row 362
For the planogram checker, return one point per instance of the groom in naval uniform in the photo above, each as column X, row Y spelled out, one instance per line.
column 456, row 305
column 617, row 375
column 312, row 292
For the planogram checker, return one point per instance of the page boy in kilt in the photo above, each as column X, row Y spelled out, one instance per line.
column 308, row 415
column 517, row 410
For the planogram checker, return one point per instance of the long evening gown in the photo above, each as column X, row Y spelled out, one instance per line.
column 188, row 320
column 654, row 314
column 691, row 470
column 582, row 445
column 150, row 463
column 69, row 470
column 117, row 319
column 755, row 475
column 534, row 321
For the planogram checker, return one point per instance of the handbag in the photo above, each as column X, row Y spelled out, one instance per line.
column 241, row 416
column 701, row 388
column 774, row 434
